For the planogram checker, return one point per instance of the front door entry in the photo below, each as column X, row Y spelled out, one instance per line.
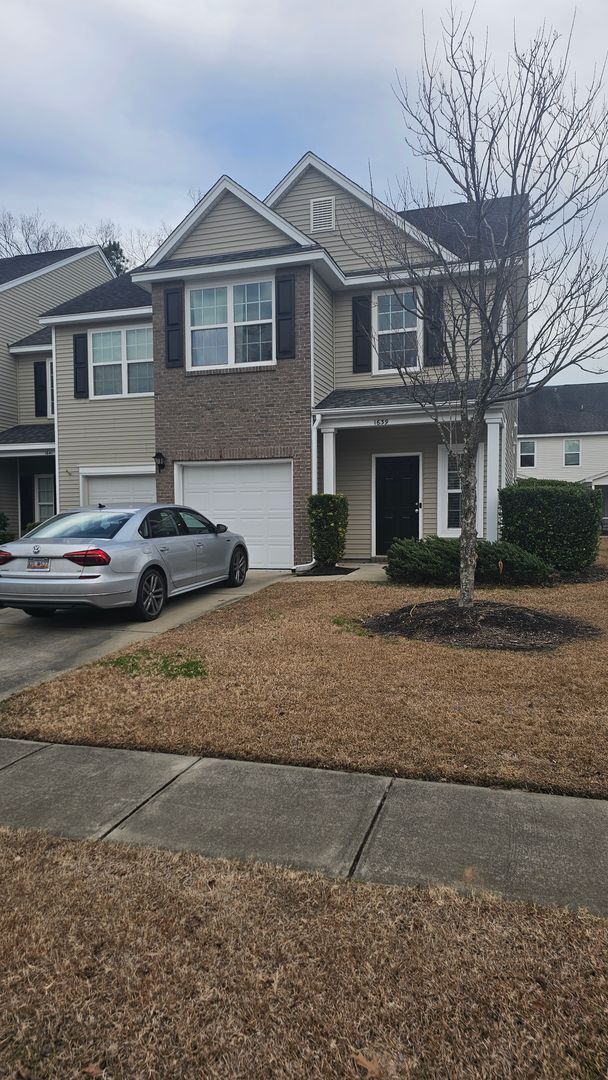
column 397, row 499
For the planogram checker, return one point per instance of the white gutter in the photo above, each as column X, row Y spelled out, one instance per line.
column 18, row 349
column 89, row 316
column 314, row 457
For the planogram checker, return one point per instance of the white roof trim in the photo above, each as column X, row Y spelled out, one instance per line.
column 93, row 316
column 55, row 266
column 26, row 448
column 30, row 348
column 311, row 160
column 223, row 186
column 597, row 476
column 523, row 435
column 202, row 271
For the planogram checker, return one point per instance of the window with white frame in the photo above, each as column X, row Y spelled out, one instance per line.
column 572, row 451
column 44, row 496
column 122, row 362
column 527, row 454
column 231, row 325
column 453, row 490
column 396, row 329
column 50, row 388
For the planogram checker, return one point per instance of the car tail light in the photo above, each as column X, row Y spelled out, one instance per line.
column 91, row 557
column 5, row 556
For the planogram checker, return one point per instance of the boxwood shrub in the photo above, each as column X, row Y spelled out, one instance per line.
column 554, row 519
column 5, row 535
column 436, row 561
column 328, row 517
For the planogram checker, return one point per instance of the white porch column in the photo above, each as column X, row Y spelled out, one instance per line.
column 329, row 461
column 493, row 477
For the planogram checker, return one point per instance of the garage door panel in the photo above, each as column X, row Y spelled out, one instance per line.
column 120, row 490
column 254, row 499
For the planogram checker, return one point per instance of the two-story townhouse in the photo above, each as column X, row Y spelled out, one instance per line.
column 29, row 284
column 563, row 435
column 276, row 375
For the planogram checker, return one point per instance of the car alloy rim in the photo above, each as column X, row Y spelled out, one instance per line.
column 240, row 567
column 153, row 594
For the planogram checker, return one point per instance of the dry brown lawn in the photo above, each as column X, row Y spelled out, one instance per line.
column 123, row 963
column 286, row 684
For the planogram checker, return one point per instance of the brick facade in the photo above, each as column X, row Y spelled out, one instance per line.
column 237, row 415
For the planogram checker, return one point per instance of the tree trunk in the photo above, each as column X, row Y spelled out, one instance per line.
column 468, row 526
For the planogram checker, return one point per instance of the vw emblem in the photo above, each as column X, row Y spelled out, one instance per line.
column 36, row 549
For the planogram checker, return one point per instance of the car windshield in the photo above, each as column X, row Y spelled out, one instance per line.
column 86, row 524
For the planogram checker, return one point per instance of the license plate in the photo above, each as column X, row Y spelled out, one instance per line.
column 38, row 564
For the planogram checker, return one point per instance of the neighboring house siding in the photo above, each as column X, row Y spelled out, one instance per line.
column 550, row 458
column 230, row 226
column 323, row 345
column 25, row 389
column 116, row 431
column 353, row 243
column 21, row 306
column 239, row 415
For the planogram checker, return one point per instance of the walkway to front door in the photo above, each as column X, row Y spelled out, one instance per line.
column 397, row 491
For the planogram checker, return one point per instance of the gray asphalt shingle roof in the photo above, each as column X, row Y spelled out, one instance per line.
column 17, row 266
column 28, row 433
column 113, row 295
column 231, row 256
column 384, row 395
column 39, row 337
column 452, row 225
column 575, row 408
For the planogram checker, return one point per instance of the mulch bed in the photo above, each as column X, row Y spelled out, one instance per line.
column 321, row 570
column 490, row 625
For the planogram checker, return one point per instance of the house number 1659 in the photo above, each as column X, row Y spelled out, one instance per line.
column 381, row 423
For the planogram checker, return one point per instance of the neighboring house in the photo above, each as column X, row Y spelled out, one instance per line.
column 260, row 317
column 563, row 435
column 29, row 284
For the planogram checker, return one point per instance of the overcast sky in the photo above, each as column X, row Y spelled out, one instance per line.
column 116, row 108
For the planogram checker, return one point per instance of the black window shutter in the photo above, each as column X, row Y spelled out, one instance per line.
column 362, row 333
column 81, row 366
column 40, row 389
column 432, row 304
column 285, row 316
column 174, row 327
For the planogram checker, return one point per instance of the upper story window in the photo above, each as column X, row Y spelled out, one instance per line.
column 121, row 362
column 323, row 214
column 572, row 451
column 396, row 330
column 231, row 325
column 527, row 454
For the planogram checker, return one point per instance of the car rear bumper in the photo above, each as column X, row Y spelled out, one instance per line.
column 103, row 592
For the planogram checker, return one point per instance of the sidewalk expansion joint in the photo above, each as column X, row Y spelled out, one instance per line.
column 144, row 802
column 369, row 830
column 28, row 754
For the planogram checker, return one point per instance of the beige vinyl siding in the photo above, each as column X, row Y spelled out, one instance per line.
column 230, row 225
column 550, row 458
column 25, row 388
column 352, row 244
column 116, row 431
column 354, row 450
column 323, row 344
column 9, row 485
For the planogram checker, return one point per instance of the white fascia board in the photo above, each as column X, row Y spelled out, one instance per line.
column 316, row 256
column 55, row 266
column 28, row 449
column 409, row 409
column 560, row 435
column 19, row 349
column 311, row 160
column 223, row 186
column 95, row 316
column 141, row 469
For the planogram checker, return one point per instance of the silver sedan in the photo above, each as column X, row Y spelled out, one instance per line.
column 118, row 557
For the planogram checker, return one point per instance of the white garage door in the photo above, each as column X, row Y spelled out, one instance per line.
column 122, row 490
column 252, row 498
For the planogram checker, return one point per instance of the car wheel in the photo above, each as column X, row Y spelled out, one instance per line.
column 151, row 595
column 238, row 568
column 39, row 612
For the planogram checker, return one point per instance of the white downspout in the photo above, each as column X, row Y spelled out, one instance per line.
column 301, row 568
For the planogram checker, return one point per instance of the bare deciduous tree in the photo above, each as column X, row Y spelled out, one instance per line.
column 25, row 234
column 524, row 287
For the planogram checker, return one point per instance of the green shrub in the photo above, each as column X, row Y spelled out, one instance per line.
column 554, row 519
column 436, row 561
column 328, row 518
column 5, row 535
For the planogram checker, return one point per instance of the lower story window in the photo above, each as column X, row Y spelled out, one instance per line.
column 527, row 454
column 454, row 491
column 572, row 451
column 44, row 490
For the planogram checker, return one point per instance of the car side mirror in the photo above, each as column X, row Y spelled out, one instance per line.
column 221, row 528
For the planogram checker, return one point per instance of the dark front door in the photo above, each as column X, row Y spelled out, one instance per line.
column 397, row 499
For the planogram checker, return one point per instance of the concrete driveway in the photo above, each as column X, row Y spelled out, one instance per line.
column 33, row 650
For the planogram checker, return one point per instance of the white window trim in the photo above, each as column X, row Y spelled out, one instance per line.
column 37, row 477
column 414, row 453
column 521, row 442
column 50, row 390
column 323, row 228
column 376, row 369
column 122, row 330
column 580, row 452
column 442, row 491
column 229, row 284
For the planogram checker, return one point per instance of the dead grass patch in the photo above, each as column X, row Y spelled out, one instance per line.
column 123, row 963
column 286, row 684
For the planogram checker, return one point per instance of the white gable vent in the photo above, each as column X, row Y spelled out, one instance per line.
column 322, row 213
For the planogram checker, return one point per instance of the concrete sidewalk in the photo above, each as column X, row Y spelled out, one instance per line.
column 546, row 848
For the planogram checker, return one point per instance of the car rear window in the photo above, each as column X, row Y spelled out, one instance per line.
column 87, row 525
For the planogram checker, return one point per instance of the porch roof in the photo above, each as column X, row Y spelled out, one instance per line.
column 385, row 395
column 28, row 434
